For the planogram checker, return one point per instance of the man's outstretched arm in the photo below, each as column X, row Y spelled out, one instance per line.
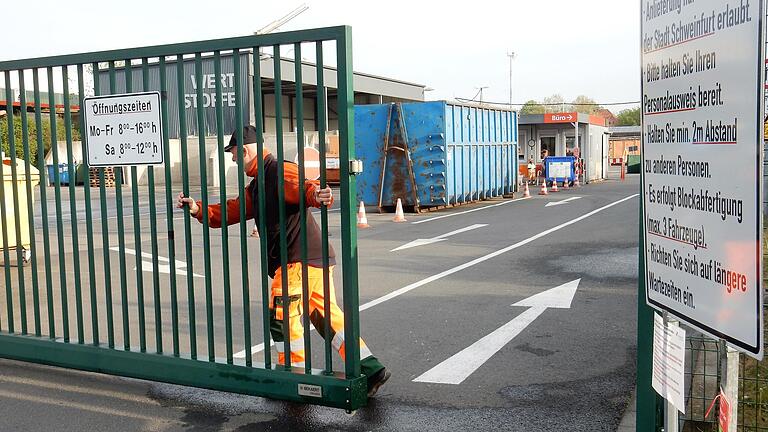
column 313, row 195
column 214, row 210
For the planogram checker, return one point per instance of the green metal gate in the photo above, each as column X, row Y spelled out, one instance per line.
column 62, row 309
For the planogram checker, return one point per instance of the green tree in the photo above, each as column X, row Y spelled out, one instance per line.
column 556, row 103
column 629, row 117
column 32, row 135
column 532, row 107
column 585, row 104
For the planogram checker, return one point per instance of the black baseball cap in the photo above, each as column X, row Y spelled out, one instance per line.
column 249, row 137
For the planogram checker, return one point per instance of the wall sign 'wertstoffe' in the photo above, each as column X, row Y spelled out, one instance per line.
column 123, row 130
column 702, row 79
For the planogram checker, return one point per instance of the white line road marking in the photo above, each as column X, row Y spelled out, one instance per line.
column 460, row 366
column 254, row 349
column 423, row 242
column 468, row 211
column 162, row 268
column 557, row 203
column 438, row 276
column 476, row 261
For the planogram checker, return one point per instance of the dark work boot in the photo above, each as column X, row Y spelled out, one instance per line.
column 377, row 380
column 377, row 374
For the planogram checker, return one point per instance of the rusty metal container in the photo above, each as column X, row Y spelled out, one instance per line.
column 433, row 154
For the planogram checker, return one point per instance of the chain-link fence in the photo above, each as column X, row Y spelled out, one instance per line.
column 753, row 376
column 702, row 381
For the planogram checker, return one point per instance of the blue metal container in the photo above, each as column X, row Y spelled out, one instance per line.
column 63, row 174
column 436, row 153
column 560, row 168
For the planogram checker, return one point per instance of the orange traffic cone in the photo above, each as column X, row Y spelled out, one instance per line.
column 554, row 185
column 576, row 181
column 565, row 183
column 526, row 192
column 399, row 216
column 543, row 190
column 362, row 220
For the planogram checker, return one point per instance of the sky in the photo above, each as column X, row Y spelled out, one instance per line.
column 568, row 47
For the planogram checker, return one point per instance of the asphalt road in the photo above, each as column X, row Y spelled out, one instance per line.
column 569, row 369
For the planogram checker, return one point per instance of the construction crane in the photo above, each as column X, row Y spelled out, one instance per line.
column 274, row 25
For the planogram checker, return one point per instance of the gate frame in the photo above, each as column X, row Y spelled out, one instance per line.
column 346, row 389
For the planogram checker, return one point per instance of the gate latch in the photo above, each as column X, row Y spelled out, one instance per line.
column 355, row 167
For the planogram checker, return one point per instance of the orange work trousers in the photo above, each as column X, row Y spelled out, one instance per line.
column 316, row 313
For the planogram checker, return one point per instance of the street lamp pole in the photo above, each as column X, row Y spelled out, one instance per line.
column 511, row 56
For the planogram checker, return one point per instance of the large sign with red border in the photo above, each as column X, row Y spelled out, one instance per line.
column 702, row 101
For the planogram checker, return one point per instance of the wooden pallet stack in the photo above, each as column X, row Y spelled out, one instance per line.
column 109, row 177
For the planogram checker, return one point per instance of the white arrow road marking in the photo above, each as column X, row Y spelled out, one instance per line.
column 457, row 368
column 162, row 268
column 550, row 204
column 425, row 281
column 422, row 242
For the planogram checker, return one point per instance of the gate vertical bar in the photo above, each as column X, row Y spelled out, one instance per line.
column 302, row 204
column 258, row 108
column 153, row 230
column 121, row 232
column 4, row 214
column 73, row 206
column 321, row 126
column 30, row 205
column 44, row 205
column 59, row 224
column 224, row 216
column 286, row 306
column 136, row 212
column 88, row 211
column 348, row 219
column 187, row 228
column 243, row 222
column 105, row 232
column 204, row 196
column 169, row 208
column 17, row 222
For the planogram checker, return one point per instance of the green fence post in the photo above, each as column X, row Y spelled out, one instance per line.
column 346, row 110
column 57, row 193
column 223, row 201
column 30, row 204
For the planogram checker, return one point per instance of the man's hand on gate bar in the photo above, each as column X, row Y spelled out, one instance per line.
column 188, row 202
column 324, row 196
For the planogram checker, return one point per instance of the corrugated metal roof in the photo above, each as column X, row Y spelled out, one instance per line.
column 624, row 130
